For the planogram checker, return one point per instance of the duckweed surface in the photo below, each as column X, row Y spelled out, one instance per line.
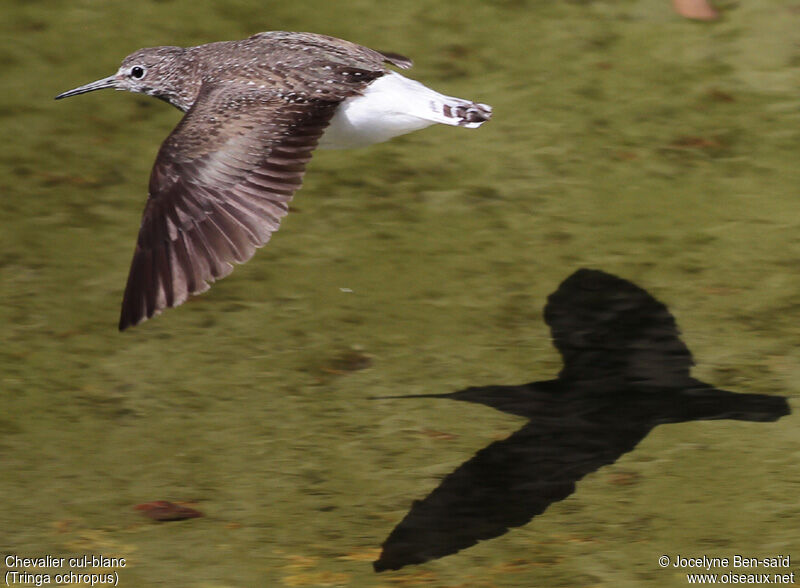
column 624, row 139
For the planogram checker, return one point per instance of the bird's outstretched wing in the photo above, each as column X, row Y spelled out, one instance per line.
column 220, row 185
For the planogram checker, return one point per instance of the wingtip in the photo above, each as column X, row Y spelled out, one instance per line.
column 380, row 565
column 398, row 60
column 133, row 317
column 128, row 316
column 126, row 321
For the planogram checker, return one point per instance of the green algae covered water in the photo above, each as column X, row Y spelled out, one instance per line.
column 624, row 139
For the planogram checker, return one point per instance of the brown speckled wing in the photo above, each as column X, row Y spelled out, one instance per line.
column 220, row 185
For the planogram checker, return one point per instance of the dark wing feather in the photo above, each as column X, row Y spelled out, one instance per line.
column 220, row 185
column 400, row 61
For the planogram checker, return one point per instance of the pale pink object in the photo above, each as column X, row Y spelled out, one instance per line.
column 695, row 9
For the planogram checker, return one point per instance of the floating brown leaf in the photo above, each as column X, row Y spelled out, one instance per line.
column 720, row 96
column 624, row 478
column 347, row 362
column 163, row 510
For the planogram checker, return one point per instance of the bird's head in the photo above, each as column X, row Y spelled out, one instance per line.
column 162, row 72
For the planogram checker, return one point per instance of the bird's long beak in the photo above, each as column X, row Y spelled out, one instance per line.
column 109, row 82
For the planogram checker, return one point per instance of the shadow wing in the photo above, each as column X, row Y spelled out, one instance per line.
column 503, row 486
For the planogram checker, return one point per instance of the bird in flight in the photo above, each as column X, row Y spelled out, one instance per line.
column 255, row 111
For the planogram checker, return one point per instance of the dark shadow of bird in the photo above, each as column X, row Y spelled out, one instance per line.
column 625, row 372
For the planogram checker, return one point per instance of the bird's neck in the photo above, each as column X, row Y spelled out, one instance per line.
column 183, row 85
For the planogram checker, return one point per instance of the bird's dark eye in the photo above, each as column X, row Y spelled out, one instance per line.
column 137, row 72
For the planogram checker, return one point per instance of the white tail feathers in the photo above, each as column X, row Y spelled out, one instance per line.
column 466, row 114
column 394, row 105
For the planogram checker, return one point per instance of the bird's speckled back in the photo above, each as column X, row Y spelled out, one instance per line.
column 298, row 66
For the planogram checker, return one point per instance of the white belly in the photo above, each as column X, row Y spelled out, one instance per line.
column 381, row 113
